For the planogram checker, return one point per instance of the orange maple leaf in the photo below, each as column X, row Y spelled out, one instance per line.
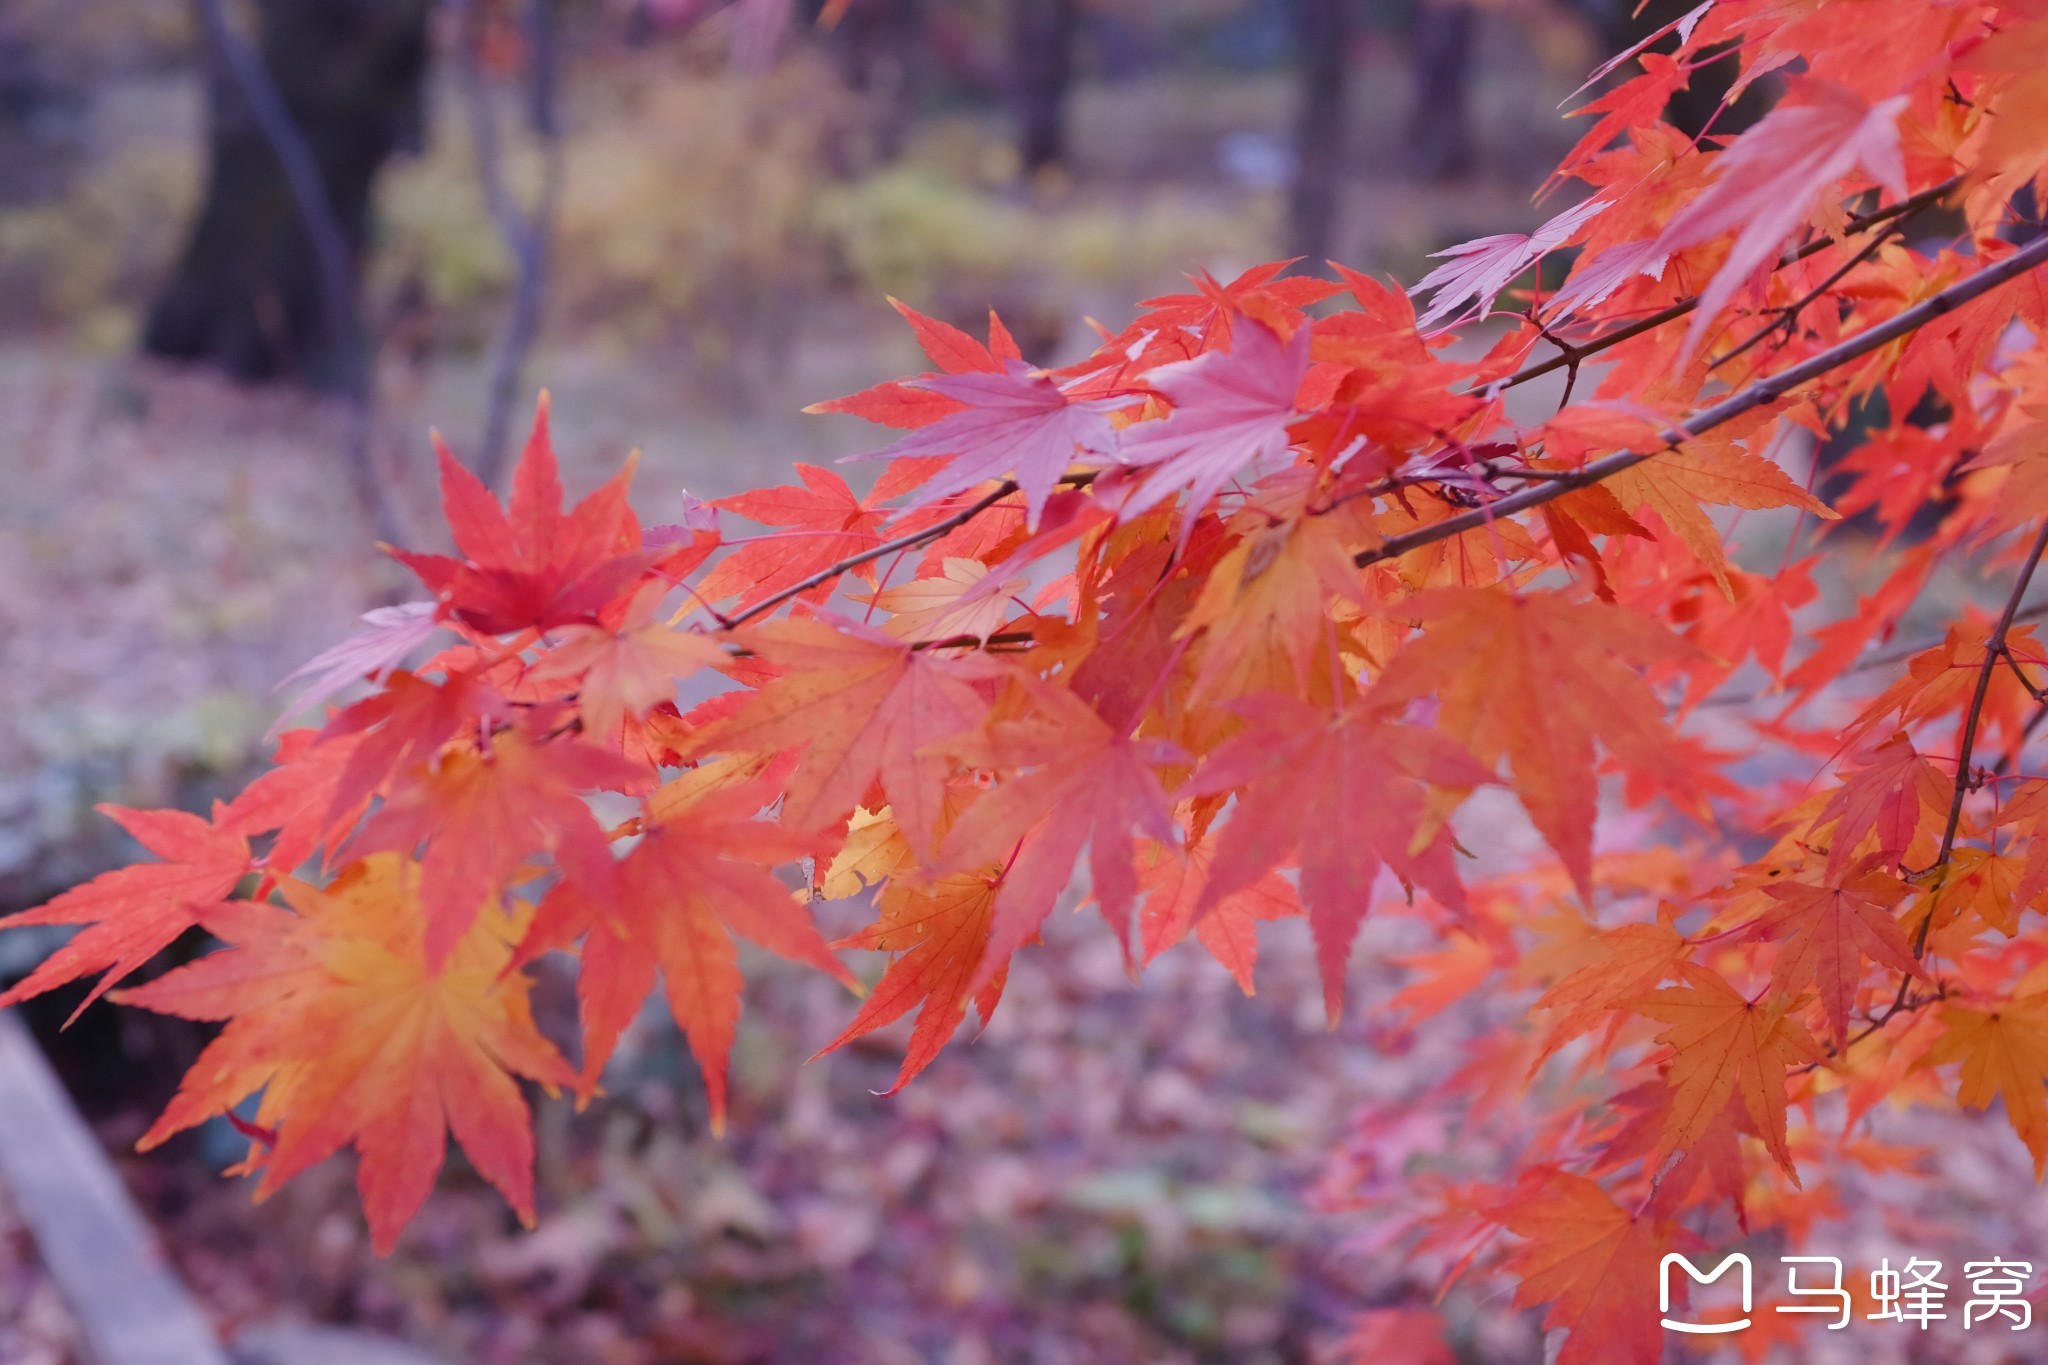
column 1724, row 1043
column 1827, row 934
column 1087, row 785
column 1884, row 797
column 1592, row 1261
column 334, row 1012
column 1633, row 959
column 481, row 815
column 629, row 670
column 941, row 930
column 822, row 523
column 1175, row 880
column 2003, row 1047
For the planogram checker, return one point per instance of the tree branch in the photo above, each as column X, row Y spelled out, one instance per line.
column 1766, row 390
column 527, row 234
column 908, row 541
column 1994, row 646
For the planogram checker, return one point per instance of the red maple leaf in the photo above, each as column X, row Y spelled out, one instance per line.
column 823, row 523
column 132, row 913
column 531, row 567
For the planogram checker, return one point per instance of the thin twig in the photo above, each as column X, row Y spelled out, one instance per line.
column 903, row 542
column 1787, row 320
column 527, row 234
column 1993, row 647
column 332, row 255
column 1766, row 390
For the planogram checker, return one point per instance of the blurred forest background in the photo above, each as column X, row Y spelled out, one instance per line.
column 218, row 369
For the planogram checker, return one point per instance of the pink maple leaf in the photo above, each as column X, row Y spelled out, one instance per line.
column 1230, row 410
column 1478, row 270
column 1600, row 274
column 381, row 641
column 1017, row 424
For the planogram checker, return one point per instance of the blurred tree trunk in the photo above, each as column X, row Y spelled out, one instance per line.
column 878, row 47
column 247, row 295
column 1323, row 33
column 1042, row 69
column 1440, row 145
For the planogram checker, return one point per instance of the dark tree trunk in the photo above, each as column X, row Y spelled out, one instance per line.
column 247, row 294
column 1440, row 145
column 1042, row 69
column 1323, row 32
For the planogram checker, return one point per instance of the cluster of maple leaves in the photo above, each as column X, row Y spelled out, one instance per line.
column 1235, row 614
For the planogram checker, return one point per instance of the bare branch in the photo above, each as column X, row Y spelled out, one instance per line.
column 527, row 234
column 1994, row 646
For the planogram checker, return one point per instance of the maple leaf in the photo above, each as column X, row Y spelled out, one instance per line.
column 824, row 523
column 964, row 599
column 1265, row 608
column 1828, row 932
column 1592, row 1261
column 908, row 405
column 698, row 875
column 629, row 670
column 1086, row 785
column 334, row 1012
column 298, row 799
column 861, row 707
column 1884, row 797
column 133, row 913
column 1478, row 270
column 1230, row 411
column 481, row 814
column 1174, row 881
column 1633, row 959
column 382, row 640
column 1773, row 175
column 1350, row 791
column 1213, row 310
column 404, row 726
column 1723, row 1043
column 530, row 566
column 1413, row 1336
column 2004, row 1051
column 1536, row 678
column 940, row 931
column 1676, row 483
column 1598, row 274
column 1015, row 424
